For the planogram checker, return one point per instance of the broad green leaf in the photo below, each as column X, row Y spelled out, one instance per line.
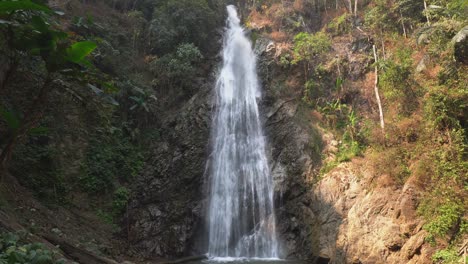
column 39, row 24
column 78, row 51
column 86, row 63
column 10, row 6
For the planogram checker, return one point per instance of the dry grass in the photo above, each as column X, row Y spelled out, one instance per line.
column 434, row 71
column 331, row 14
column 279, row 36
column 270, row 18
column 258, row 20
column 299, row 6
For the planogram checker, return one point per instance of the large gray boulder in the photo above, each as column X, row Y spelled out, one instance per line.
column 460, row 43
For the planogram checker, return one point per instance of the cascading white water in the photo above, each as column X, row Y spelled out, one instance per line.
column 241, row 213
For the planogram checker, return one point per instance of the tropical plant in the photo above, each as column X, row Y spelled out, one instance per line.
column 26, row 29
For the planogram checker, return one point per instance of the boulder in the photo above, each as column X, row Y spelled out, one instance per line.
column 460, row 43
column 361, row 44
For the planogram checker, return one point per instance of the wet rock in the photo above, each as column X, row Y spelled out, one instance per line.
column 263, row 45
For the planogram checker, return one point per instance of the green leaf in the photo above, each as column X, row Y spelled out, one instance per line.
column 37, row 131
column 78, row 51
column 10, row 118
column 44, row 259
column 39, row 24
column 11, row 6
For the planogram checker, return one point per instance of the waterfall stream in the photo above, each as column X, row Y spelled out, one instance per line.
column 241, row 218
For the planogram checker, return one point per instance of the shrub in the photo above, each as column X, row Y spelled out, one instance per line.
column 13, row 252
column 340, row 25
column 443, row 207
column 444, row 212
column 445, row 108
column 33, row 164
column 447, row 216
column 448, row 256
column 120, row 201
column 396, row 82
column 342, row 119
column 307, row 46
column 380, row 19
column 393, row 162
column 178, row 68
column 348, row 150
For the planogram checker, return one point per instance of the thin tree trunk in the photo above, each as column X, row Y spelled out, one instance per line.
column 383, row 50
column 427, row 15
column 9, row 73
column 306, row 70
column 376, row 89
column 355, row 7
column 403, row 25
column 31, row 118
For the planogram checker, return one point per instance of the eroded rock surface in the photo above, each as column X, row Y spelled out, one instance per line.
column 168, row 205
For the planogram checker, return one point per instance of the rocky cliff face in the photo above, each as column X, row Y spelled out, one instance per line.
column 169, row 194
column 350, row 215
column 364, row 217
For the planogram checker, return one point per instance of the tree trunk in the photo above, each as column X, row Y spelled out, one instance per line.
column 350, row 6
column 355, row 7
column 376, row 89
column 30, row 120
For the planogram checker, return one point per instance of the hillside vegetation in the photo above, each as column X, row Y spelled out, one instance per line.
column 326, row 49
column 104, row 111
column 83, row 85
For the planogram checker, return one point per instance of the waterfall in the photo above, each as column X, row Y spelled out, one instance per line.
column 241, row 219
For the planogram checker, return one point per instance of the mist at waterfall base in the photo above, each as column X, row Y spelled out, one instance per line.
column 241, row 218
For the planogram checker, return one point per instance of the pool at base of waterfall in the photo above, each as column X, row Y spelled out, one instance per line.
column 232, row 260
